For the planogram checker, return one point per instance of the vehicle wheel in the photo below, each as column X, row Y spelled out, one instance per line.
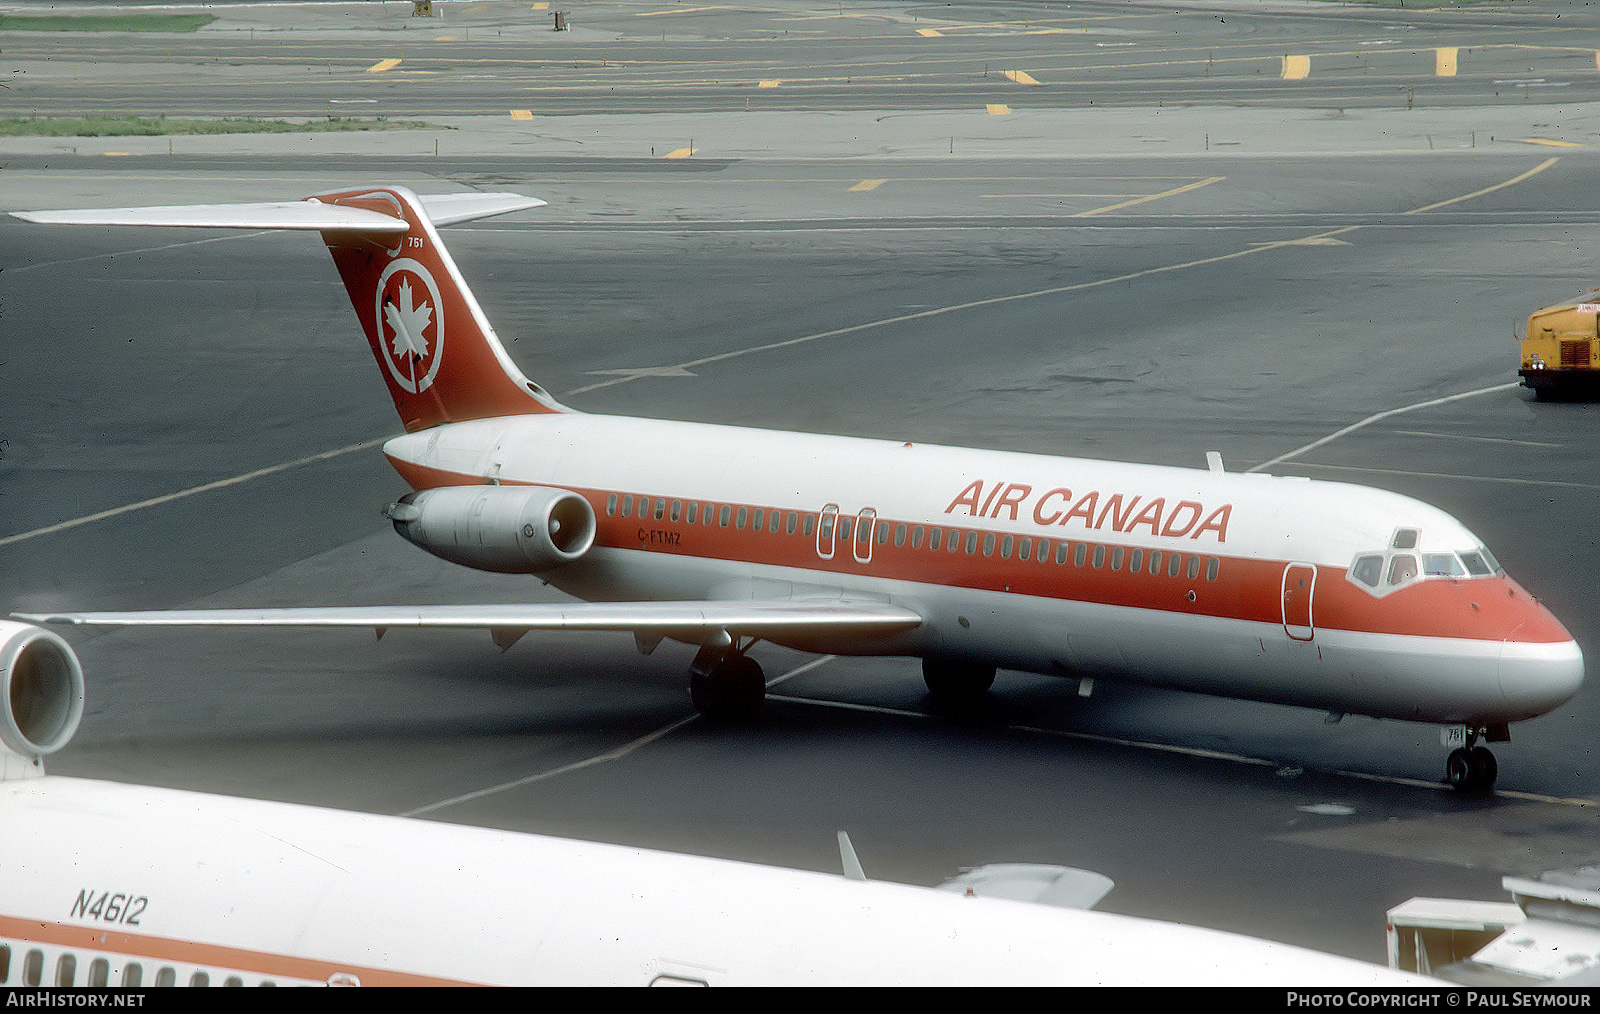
column 1458, row 769
column 957, row 682
column 730, row 691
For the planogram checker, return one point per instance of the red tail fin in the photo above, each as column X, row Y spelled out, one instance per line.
column 434, row 346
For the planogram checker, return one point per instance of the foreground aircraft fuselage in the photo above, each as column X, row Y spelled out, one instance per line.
column 124, row 886
column 1286, row 590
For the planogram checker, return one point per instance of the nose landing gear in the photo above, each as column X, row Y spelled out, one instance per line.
column 1470, row 767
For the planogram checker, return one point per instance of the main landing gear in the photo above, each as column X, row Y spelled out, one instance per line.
column 726, row 685
column 957, row 684
column 1470, row 767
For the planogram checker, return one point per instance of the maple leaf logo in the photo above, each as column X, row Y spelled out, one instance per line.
column 409, row 319
column 410, row 324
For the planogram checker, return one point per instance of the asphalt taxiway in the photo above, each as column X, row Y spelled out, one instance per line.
column 188, row 419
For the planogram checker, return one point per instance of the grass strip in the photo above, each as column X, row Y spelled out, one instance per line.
column 142, row 126
column 104, row 22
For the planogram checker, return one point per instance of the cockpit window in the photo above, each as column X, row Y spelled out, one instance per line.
column 1383, row 572
column 1441, row 565
column 1368, row 570
column 1402, row 568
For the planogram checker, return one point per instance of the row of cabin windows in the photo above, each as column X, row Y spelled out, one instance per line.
column 709, row 514
column 65, row 973
column 1025, row 546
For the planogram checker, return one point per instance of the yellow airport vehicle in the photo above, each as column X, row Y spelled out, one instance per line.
column 1561, row 351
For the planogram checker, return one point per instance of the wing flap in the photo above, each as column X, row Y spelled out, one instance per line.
column 752, row 618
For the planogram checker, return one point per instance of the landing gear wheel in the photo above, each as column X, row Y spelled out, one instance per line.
column 730, row 689
column 957, row 683
column 1471, row 769
column 1484, row 768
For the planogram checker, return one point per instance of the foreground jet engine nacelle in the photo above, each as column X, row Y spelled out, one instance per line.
column 505, row 529
column 41, row 696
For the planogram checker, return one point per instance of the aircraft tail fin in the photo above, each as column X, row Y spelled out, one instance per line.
column 435, row 347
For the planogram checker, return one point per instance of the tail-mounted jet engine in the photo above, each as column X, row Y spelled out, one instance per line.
column 505, row 529
column 42, row 699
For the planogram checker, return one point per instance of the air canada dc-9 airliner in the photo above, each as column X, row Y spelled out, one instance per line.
column 1279, row 589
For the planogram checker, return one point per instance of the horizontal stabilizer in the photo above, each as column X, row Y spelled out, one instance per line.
column 448, row 209
column 672, row 618
column 310, row 215
column 1060, row 886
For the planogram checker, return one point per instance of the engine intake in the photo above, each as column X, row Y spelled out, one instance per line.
column 505, row 529
column 42, row 682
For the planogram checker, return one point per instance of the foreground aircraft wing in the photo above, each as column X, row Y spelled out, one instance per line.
column 677, row 619
column 309, row 215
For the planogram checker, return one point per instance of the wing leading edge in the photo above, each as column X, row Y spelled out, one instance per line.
column 745, row 618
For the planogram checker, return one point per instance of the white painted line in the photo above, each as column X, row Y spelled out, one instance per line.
column 136, row 250
column 1505, row 480
column 603, row 758
column 191, row 491
column 1369, row 420
column 1199, row 752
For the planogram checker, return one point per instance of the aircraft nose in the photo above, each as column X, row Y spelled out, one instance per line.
column 1539, row 676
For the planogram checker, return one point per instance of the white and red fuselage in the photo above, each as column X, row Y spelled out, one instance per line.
column 1279, row 589
column 1235, row 584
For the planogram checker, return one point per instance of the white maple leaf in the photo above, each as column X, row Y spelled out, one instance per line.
column 408, row 318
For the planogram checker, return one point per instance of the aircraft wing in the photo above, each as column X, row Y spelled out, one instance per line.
column 678, row 619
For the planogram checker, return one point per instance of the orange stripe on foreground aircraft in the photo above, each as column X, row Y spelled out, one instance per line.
column 1280, row 589
column 126, row 886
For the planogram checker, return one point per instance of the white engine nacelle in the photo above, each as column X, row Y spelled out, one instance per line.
column 505, row 529
column 42, row 701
